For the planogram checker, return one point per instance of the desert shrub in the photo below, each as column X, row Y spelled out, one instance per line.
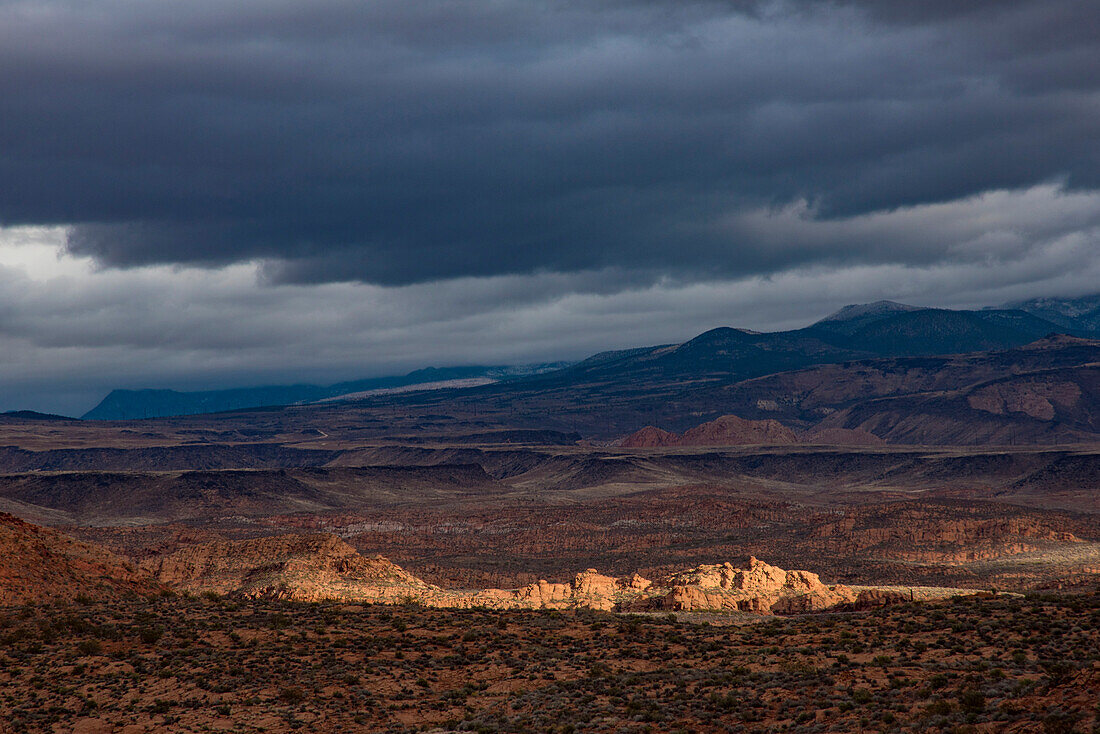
column 150, row 635
column 1061, row 722
column 1059, row 671
column 972, row 700
column 629, row 627
column 89, row 647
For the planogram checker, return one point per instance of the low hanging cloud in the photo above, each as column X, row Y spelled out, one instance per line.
column 394, row 143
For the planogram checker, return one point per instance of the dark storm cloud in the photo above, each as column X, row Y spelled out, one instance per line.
column 399, row 142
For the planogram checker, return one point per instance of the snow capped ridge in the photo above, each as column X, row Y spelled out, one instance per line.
column 859, row 310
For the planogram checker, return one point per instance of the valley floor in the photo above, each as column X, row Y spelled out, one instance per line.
column 182, row 663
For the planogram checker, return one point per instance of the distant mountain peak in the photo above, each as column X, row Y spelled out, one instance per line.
column 1066, row 306
column 861, row 310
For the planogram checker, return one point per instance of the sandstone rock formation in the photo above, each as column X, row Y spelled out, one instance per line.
column 299, row 567
column 589, row 589
column 760, row 587
column 728, row 430
column 871, row 598
column 322, row 567
column 38, row 564
column 650, row 437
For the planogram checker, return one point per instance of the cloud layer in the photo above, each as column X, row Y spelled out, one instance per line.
column 397, row 142
column 214, row 193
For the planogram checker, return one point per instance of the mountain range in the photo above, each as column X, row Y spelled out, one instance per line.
column 676, row 382
column 901, row 374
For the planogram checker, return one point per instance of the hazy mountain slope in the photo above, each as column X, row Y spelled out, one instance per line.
column 857, row 315
column 724, row 354
column 1072, row 313
column 853, row 333
column 940, row 331
column 1027, row 323
column 136, row 404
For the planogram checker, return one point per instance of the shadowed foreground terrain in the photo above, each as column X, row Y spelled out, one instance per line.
column 182, row 663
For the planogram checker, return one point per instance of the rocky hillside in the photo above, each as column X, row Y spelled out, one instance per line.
column 806, row 396
column 731, row 430
column 38, row 565
column 1047, row 392
column 300, row 567
column 1054, row 406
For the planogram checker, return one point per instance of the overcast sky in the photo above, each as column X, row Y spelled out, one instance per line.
column 211, row 194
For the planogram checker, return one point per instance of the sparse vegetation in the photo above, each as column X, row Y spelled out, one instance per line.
column 1029, row 663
